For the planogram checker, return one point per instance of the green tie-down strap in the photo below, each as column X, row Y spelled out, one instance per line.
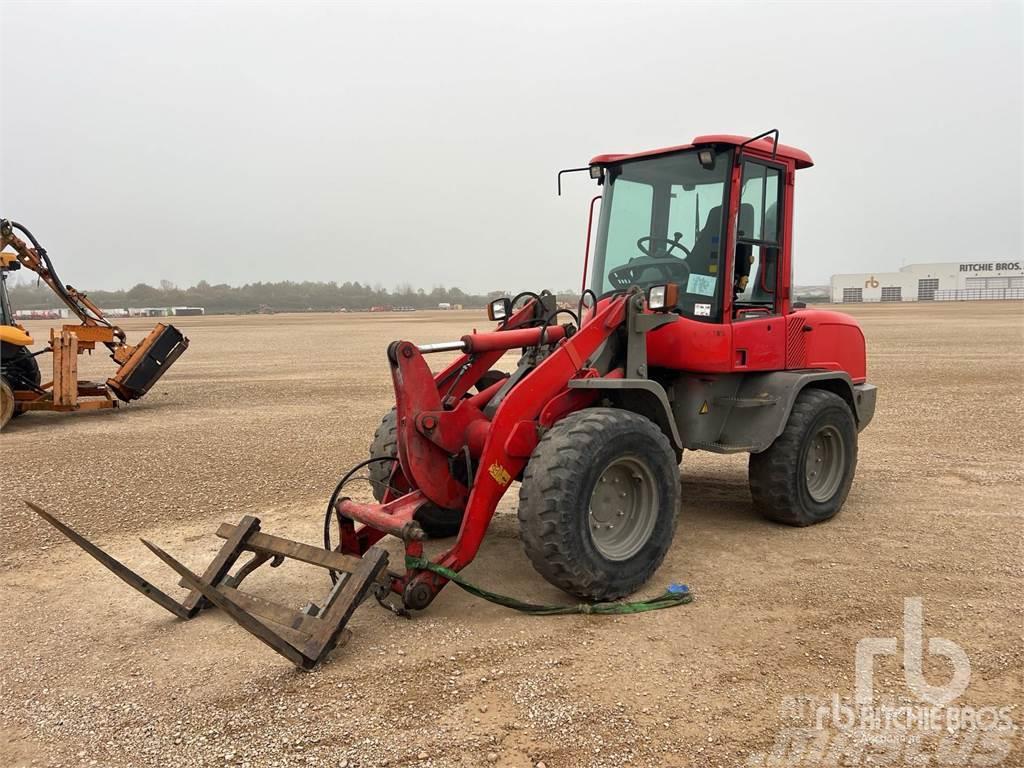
column 676, row 594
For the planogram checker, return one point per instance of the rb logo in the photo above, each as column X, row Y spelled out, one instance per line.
column 913, row 620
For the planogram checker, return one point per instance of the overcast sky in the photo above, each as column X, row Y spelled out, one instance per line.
column 390, row 143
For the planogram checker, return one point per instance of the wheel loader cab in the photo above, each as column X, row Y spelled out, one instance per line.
column 714, row 217
column 661, row 221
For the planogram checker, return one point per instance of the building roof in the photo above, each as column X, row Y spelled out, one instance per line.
column 801, row 158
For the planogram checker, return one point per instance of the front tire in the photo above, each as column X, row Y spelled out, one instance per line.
column 6, row 403
column 805, row 475
column 598, row 502
column 20, row 369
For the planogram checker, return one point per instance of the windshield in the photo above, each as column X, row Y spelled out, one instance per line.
column 661, row 221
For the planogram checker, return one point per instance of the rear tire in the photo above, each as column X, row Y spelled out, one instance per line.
column 6, row 403
column 805, row 475
column 437, row 523
column 598, row 502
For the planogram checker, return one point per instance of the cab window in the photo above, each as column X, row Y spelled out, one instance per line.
column 758, row 238
column 662, row 221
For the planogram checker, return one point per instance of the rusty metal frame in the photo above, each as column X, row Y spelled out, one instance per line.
column 305, row 636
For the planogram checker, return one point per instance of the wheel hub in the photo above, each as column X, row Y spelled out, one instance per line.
column 823, row 468
column 623, row 508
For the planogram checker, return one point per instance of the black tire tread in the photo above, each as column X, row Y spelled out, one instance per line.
column 774, row 473
column 385, row 443
column 551, row 485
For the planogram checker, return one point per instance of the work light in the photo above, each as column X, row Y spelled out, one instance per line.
column 662, row 297
column 499, row 309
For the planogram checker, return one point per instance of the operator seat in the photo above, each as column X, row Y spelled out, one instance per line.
column 706, row 255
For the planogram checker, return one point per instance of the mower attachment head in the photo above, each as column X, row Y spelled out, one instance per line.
column 147, row 362
column 305, row 636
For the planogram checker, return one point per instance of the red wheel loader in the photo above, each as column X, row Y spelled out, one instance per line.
column 686, row 339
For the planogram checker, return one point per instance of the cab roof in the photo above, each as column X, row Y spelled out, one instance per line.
column 801, row 158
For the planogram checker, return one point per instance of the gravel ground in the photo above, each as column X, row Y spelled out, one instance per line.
column 263, row 414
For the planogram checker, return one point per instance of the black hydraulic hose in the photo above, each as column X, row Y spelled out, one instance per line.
column 334, row 498
column 61, row 289
column 583, row 296
column 557, row 312
column 518, row 296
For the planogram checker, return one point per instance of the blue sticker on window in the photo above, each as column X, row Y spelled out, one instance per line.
column 714, row 239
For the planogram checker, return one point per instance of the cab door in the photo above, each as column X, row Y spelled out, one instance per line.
column 758, row 327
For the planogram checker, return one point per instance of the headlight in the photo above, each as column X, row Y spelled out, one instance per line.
column 662, row 297
column 499, row 309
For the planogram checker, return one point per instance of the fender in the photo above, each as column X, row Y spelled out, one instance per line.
column 643, row 396
column 745, row 412
column 16, row 335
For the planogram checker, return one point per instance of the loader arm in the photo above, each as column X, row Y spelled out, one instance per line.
column 428, row 434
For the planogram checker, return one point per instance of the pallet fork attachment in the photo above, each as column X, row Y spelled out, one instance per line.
column 305, row 636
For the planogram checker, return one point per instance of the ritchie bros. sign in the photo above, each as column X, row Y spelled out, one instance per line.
column 993, row 266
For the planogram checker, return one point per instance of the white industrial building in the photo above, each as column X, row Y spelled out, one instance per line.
column 958, row 281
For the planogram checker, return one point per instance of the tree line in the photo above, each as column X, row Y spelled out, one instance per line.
column 286, row 296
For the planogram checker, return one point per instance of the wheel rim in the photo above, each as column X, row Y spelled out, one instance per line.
column 826, row 460
column 623, row 508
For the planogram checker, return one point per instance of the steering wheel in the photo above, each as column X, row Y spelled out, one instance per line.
column 646, row 251
column 669, row 268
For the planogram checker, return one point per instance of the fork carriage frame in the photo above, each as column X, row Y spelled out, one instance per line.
column 304, row 636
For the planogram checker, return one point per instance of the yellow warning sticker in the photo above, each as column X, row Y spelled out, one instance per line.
column 703, row 408
column 500, row 474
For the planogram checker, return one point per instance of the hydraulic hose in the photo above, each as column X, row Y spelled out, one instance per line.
column 334, row 499
column 58, row 284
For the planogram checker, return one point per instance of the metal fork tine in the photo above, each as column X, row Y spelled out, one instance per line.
column 122, row 572
column 245, row 619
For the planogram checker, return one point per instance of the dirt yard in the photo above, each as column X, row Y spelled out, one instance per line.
column 263, row 414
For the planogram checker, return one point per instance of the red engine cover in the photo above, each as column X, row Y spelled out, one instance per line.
column 833, row 341
column 808, row 338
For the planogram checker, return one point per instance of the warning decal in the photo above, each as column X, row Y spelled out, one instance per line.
column 500, row 474
column 703, row 408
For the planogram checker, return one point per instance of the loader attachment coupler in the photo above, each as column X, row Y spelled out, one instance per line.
column 303, row 636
